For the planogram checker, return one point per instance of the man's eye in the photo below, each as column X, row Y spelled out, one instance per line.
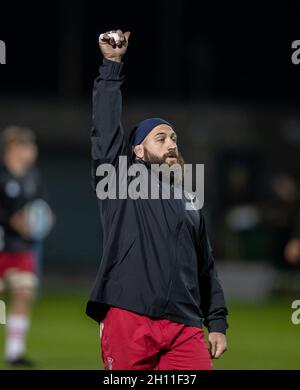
column 160, row 139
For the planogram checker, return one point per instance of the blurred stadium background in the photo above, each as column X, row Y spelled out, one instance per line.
column 223, row 74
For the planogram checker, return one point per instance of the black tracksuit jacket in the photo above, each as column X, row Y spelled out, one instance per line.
column 156, row 259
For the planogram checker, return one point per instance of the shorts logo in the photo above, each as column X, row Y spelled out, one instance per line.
column 110, row 363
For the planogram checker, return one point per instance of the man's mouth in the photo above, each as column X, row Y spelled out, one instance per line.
column 171, row 155
column 171, row 159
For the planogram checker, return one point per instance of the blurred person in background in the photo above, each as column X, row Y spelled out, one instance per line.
column 157, row 283
column 280, row 214
column 292, row 248
column 25, row 219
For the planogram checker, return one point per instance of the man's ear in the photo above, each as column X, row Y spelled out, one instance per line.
column 139, row 151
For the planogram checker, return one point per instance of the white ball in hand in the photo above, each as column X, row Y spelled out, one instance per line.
column 115, row 36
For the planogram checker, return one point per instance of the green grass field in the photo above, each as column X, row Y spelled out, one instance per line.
column 63, row 337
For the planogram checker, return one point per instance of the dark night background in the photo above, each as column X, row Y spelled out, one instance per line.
column 210, row 50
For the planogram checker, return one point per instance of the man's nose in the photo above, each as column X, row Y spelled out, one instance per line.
column 172, row 145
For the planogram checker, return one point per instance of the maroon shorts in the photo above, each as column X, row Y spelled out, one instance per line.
column 132, row 341
column 17, row 269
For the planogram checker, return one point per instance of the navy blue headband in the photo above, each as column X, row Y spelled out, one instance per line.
column 144, row 128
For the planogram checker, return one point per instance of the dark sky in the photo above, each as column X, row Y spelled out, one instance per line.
column 179, row 49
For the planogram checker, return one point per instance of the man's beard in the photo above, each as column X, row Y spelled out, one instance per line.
column 153, row 159
column 150, row 158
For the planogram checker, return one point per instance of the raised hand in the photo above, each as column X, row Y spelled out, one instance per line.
column 113, row 44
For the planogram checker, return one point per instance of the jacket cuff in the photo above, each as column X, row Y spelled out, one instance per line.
column 111, row 70
column 219, row 325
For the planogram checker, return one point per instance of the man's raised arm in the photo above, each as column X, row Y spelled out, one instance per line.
column 107, row 136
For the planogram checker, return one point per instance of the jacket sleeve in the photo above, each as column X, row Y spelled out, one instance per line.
column 213, row 305
column 107, row 135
